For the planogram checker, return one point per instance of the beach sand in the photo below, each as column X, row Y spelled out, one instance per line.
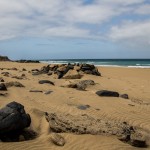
column 135, row 111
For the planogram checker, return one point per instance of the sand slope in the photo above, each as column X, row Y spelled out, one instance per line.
column 135, row 111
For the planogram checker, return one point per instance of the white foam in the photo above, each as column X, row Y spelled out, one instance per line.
column 138, row 66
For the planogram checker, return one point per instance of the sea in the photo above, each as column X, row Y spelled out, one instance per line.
column 131, row 63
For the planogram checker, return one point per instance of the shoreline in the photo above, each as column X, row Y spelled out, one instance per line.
column 137, row 66
column 107, row 66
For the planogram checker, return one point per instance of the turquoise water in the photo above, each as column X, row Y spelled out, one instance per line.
column 138, row 63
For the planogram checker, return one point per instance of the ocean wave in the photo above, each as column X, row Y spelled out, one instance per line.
column 138, row 66
column 55, row 62
column 108, row 66
column 100, row 63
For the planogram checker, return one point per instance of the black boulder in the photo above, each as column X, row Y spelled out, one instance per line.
column 107, row 93
column 3, row 87
column 13, row 119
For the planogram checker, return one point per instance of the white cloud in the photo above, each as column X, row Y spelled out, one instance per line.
column 120, row 2
column 91, row 14
column 62, row 18
column 133, row 33
column 66, row 32
column 143, row 9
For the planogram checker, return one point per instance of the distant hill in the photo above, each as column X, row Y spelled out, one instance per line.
column 4, row 58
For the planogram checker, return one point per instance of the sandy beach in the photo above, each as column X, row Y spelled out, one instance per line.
column 66, row 102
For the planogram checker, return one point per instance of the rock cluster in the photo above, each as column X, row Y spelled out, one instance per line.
column 89, row 69
column 67, row 71
column 28, row 61
column 4, row 58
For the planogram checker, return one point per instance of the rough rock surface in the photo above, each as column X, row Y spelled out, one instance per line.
column 85, row 124
column 80, row 85
column 13, row 119
column 89, row 69
column 72, row 74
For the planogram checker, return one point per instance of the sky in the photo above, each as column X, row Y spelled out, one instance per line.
column 75, row 29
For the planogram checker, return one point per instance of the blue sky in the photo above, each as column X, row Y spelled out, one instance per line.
column 60, row 29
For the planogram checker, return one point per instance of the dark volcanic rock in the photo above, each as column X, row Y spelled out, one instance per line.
column 15, row 84
column 15, row 69
column 45, row 69
column 131, row 137
column 36, row 91
column 6, row 74
column 2, row 80
column 107, row 93
column 27, row 61
column 59, row 74
column 138, row 143
column 89, row 69
column 4, row 58
column 83, row 107
column 36, row 73
column 46, row 81
column 64, row 70
column 71, row 85
column 125, row 96
column 53, row 67
column 3, row 94
column 23, row 69
column 13, row 119
column 3, row 87
column 49, row 73
column 18, row 77
column 96, row 72
column 48, row 92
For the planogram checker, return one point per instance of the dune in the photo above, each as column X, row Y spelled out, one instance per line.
column 71, row 101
